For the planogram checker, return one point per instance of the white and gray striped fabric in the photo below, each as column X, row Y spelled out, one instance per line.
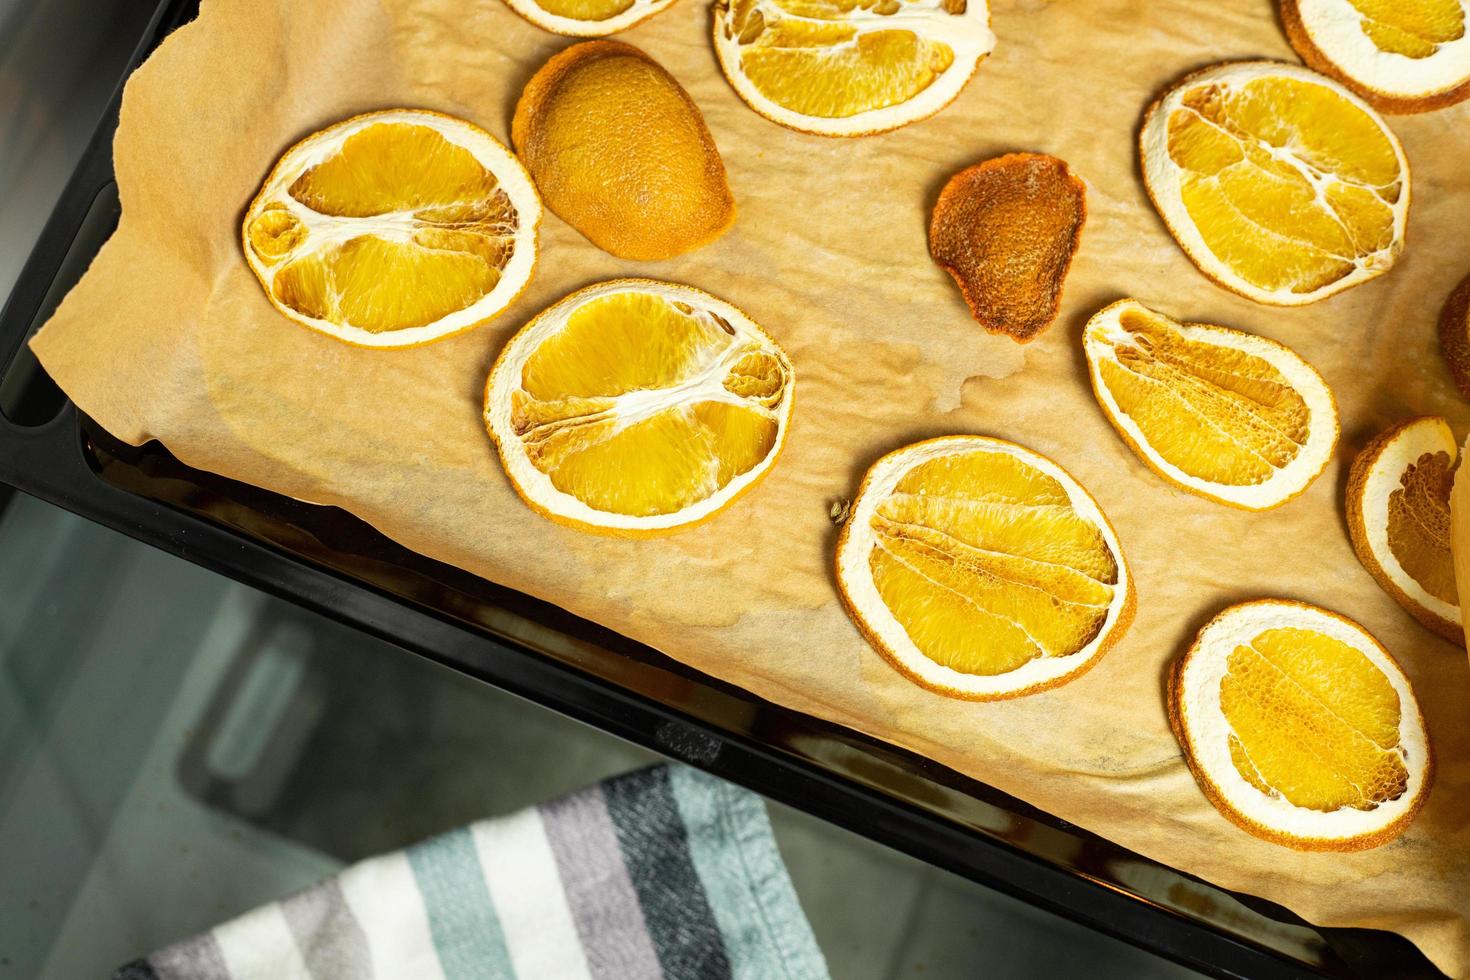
column 662, row 873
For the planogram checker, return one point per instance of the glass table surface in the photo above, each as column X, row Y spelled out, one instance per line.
column 176, row 748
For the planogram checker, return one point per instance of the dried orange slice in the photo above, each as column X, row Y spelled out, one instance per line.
column 587, row 18
column 1454, row 335
column 1222, row 413
column 1300, row 727
column 1006, row 230
column 982, row 570
column 1400, row 55
column 850, row 67
column 636, row 407
column 1278, row 182
column 621, row 153
column 1460, row 532
column 1398, row 512
column 394, row 228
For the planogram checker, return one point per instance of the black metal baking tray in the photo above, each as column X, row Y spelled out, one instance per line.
column 325, row 559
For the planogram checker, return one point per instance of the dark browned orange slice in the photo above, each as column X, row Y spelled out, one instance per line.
column 1007, row 229
column 1454, row 335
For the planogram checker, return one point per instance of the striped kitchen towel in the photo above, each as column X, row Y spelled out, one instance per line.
column 661, row 873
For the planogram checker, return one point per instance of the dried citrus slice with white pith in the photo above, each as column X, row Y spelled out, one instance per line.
column 1398, row 512
column 636, row 407
column 587, row 18
column 1222, row 413
column 394, row 228
column 982, row 570
column 850, row 67
column 1400, row 55
column 1300, row 727
column 1278, row 182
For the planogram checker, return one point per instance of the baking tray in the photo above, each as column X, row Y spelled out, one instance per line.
column 324, row 559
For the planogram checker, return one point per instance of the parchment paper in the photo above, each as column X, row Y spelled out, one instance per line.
column 169, row 337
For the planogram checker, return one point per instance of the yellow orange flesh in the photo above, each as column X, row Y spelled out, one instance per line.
column 585, row 9
column 643, row 406
column 413, row 229
column 1419, row 524
column 1412, row 28
column 984, row 562
column 1313, row 720
column 824, row 68
column 1252, row 159
column 1216, row 413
